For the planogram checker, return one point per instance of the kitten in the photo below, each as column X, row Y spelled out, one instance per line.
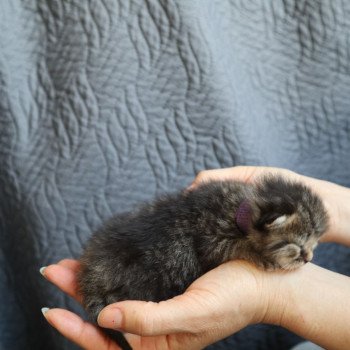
column 157, row 251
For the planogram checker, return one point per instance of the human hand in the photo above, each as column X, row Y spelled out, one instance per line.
column 225, row 299
column 335, row 198
column 218, row 304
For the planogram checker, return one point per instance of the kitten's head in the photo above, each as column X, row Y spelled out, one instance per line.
column 283, row 221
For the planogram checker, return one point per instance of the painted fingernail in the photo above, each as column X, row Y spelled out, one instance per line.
column 44, row 310
column 190, row 187
column 110, row 318
column 42, row 269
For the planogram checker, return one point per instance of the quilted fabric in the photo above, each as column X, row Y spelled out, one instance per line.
column 106, row 103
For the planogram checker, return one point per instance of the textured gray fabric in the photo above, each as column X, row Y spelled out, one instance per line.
column 106, row 103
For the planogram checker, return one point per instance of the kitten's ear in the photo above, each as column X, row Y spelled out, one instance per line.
column 244, row 216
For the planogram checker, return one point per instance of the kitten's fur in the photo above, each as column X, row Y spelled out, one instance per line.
column 156, row 252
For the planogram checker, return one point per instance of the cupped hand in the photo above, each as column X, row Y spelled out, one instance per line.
column 335, row 198
column 218, row 304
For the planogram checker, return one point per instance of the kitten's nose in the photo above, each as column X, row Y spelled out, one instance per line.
column 306, row 255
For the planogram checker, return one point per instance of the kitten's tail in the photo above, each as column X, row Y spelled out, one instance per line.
column 117, row 337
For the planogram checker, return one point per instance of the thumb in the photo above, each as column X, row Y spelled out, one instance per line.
column 182, row 314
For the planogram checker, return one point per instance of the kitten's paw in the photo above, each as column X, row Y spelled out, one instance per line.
column 268, row 266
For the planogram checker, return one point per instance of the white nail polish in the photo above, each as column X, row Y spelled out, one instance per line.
column 44, row 310
column 42, row 269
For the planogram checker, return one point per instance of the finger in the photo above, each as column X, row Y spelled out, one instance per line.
column 169, row 342
column 239, row 173
column 178, row 323
column 182, row 314
column 77, row 330
column 64, row 278
column 89, row 337
column 246, row 174
column 70, row 264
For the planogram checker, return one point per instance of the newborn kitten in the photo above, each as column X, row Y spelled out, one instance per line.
column 157, row 251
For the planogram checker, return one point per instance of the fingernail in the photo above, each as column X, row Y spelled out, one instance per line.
column 44, row 310
column 190, row 187
column 110, row 318
column 42, row 269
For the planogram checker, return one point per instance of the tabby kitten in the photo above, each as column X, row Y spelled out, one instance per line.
column 157, row 251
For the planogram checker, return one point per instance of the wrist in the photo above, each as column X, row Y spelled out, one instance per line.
column 274, row 296
column 286, row 293
column 264, row 294
column 315, row 307
column 250, row 286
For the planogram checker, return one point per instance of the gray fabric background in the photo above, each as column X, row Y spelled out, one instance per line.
column 106, row 103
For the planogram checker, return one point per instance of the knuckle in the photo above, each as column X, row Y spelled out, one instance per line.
column 146, row 323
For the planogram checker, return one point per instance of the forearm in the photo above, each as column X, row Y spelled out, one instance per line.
column 315, row 304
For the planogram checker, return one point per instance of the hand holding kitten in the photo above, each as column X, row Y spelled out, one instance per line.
column 156, row 251
column 219, row 303
column 203, row 314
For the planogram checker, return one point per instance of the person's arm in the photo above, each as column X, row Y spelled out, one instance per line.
column 216, row 305
column 311, row 302
column 336, row 198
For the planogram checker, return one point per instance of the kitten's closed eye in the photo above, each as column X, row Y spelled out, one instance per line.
column 278, row 221
column 271, row 220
